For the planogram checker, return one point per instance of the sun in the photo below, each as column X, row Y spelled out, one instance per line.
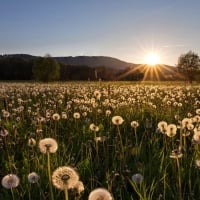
column 152, row 59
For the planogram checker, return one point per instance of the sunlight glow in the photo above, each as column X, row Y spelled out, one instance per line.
column 152, row 59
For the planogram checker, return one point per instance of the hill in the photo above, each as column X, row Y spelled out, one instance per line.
column 92, row 67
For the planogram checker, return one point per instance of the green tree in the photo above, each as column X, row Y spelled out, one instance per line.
column 189, row 65
column 46, row 69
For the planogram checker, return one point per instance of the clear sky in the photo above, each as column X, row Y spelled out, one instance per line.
column 124, row 29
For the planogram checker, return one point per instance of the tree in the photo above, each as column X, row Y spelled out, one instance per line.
column 189, row 65
column 46, row 69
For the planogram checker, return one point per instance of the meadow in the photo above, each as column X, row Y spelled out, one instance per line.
column 132, row 141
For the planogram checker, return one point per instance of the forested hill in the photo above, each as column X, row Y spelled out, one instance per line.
column 19, row 67
column 94, row 61
column 90, row 61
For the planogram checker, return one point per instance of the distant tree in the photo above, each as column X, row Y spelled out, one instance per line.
column 46, row 69
column 189, row 65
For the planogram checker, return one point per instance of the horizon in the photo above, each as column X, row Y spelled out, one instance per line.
column 128, row 31
column 157, row 64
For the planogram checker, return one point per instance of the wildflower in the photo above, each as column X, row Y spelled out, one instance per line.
column 176, row 153
column 101, row 139
column 64, row 115
column 117, row 120
column 196, row 119
column 76, row 115
column 162, row 125
column 84, row 114
column 97, row 94
column 33, row 177
column 190, row 126
column 196, row 137
column 94, row 128
column 134, row 124
column 198, row 111
column 48, row 145
column 197, row 163
column 79, row 187
column 56, row 116
column 186, row 121
column 137, row 178
column 10, row 181
column 108, row 112
column 31, row 142
column 3, row 132
column 6, row 114
column 171, row 130
column 65, row 177
column 100, row 193
column 48, row 115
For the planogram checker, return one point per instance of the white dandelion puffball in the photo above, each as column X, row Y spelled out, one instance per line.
column 48, row 145
column 171, row 130
column 94, row 128
column 100, row 194
column 65, row 177
column 134, row 124
column 137, row 178
column 33, row 177
column 79, row 187
column 76, row 115
column 117, row 120
column 162, row 125
column 56, row 117
column 10, row 181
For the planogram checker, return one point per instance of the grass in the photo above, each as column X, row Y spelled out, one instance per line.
column 109, row 157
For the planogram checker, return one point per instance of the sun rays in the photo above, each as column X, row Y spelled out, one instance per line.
column 156, row 73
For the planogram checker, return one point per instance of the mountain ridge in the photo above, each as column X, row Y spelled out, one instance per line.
column 110, row 68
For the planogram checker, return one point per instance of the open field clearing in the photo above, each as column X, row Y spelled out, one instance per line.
column 64, row 140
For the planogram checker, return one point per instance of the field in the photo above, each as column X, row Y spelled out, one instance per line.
column 136, row 140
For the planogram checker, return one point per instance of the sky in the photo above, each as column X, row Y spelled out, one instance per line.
column 123, row 29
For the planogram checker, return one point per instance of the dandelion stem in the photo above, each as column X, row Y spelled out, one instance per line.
column 12, row 192
column 136, row 140
column 49, row 174
column 179, row 179
column 66, row 193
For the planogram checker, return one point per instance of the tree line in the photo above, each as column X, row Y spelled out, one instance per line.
column 48, row 69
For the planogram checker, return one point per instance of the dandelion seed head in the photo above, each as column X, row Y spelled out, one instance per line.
column 162, row 125
column 56, row 117
column 176, row 153
column 65, row 177
column 93, row 127
column 137, row 178
column 76, row 115
column 134, row 124
column 48, row 145
column 100, row 194
column 33, row 177
column 171, row 130
column 10, row 181
column 31, row 142
column 117, row 120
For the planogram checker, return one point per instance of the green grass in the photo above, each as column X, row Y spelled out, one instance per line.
column 109, row 163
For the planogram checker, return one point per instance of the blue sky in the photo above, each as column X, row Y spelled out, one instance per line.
column 124, row 29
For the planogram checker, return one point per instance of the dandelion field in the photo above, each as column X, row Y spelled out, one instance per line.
column 136, row 140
